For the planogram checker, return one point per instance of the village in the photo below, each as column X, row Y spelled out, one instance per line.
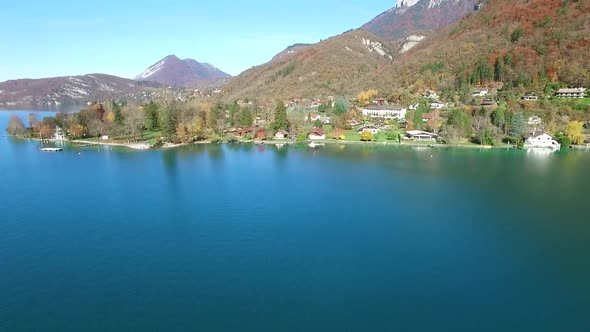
column 486, row 120
column 380, row 121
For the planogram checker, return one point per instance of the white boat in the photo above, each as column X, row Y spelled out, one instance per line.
column 51, row 149
column 315, row 145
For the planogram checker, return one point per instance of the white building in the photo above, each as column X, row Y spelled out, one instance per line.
column 419, row 135
column 571, row 93
column 530, row 98
column 542, row 140
column 371, row 129
column 387, row 112
column 317, row 134
column 59, row 134
column 437, row 105
column 480, row 93
column 281, row 134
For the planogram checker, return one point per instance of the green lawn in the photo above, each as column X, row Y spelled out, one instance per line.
column 353, row 136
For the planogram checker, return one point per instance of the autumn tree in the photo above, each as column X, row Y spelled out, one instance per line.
column 365, row 97
column 15, row 126
column 77, row 130
column 134, row 120
column 197, row 128
column 182, row 134
column 110, row 118
column 574, row 132
column 33, row 121
column 46, row 131
column 338, row 134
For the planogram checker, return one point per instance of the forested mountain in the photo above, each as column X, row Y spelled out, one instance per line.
column 523, row 43
column 515, row 43
column 176, row 72
column 69, row 89
column 340, row 65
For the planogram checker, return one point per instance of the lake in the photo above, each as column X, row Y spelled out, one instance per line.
column 253, row 238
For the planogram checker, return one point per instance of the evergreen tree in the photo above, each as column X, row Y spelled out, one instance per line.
column 340, row 107
column 419, row 115
column 498, row 117
column 119, row 118
column 280, row 122
column 246, row 119
column 152, row 114
column 518, row 126
column 461, row 121
column 234, row 109
column 499, row 70
column 168, row 121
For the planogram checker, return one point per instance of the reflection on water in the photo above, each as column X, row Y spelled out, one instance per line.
column 235, row 237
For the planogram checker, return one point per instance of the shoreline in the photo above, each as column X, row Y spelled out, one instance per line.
column 142, row 146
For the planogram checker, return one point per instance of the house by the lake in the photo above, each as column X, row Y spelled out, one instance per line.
column 281, row 134
column 317, row 134
column 387, row 112
column 541, row 140
column 59, row 134
column 571, row 93
column 371, row 129
column 419, row 135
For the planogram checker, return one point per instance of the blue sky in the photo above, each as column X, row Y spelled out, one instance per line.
column 57, row 38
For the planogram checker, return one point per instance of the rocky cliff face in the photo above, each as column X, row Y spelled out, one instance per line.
column 413, row 16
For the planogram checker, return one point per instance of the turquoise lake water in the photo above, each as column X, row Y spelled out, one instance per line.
column 252, row 238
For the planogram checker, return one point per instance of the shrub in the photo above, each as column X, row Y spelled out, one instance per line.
column 367, row 136
column 517, row 34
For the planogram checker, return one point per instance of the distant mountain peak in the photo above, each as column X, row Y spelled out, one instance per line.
column 171, row 70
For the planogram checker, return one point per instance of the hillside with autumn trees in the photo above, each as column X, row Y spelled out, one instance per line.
column 519, row 43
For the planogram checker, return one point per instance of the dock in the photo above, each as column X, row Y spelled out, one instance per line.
column 51, row 149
